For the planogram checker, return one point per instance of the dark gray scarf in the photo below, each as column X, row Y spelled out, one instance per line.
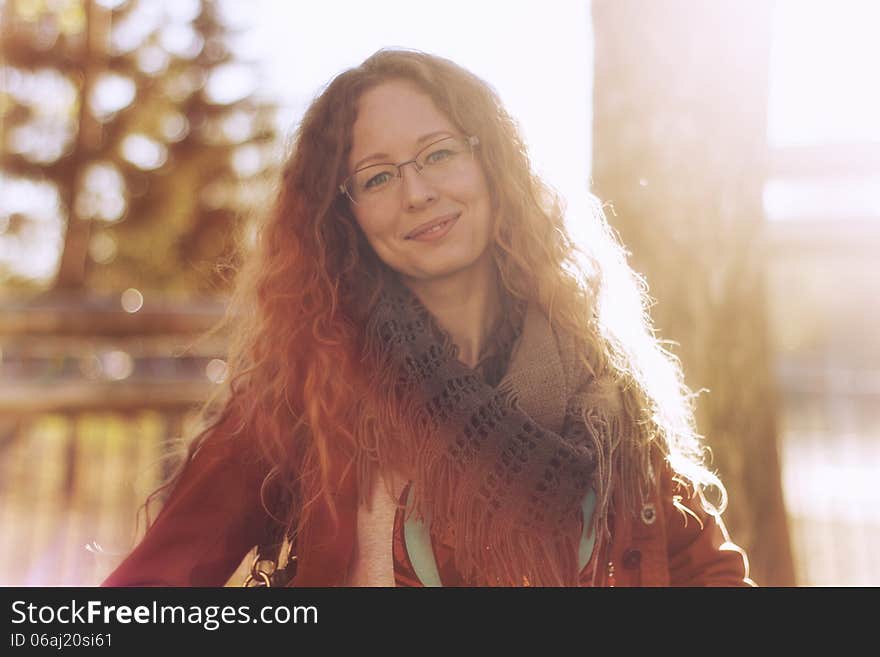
column 499, row 472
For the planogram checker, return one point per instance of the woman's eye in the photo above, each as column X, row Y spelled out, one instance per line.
column 438, row 155
column 377, row 180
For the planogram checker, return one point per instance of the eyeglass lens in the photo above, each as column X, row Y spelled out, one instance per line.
column 437, row 161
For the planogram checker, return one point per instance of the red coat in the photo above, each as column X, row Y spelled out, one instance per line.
column 213, row 518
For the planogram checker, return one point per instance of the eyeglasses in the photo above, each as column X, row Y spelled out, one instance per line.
column 438, row 161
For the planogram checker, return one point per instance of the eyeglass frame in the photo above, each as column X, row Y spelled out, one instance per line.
column 472, row 140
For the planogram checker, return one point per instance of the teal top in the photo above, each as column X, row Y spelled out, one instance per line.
column 417, row 540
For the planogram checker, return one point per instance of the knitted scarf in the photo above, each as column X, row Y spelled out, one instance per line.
column 500, row 472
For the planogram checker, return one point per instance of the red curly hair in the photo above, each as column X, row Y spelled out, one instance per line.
column 297, row 393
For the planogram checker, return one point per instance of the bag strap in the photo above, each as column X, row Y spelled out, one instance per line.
column 275, row 562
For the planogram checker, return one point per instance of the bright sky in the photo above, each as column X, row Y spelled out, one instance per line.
column 825, row 84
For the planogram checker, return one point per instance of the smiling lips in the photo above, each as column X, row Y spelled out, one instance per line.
column 433, row 229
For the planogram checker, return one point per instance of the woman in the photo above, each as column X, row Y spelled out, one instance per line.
column 429, row 384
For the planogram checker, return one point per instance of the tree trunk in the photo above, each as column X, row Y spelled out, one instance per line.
column 74, row 254
column 680, row 153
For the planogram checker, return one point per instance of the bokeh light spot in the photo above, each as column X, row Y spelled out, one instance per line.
column 117, row 365
column 132, row 300
column 229, row 83
column 102, row 248
column 216, row 370
column 144, row 152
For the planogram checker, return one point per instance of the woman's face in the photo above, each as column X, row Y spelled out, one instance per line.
column 395, row 122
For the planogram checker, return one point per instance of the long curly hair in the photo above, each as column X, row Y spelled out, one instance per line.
column 296, row 322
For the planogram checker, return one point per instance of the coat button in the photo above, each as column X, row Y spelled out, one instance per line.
column 649, row 514
column 632, row 559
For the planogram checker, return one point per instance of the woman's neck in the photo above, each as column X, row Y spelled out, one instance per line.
column 467, row 306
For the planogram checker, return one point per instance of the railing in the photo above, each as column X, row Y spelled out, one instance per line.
column 92, row 403
column 824, row 281
column 831, row 461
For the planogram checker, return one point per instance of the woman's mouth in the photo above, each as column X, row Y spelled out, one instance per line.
column 435, row 230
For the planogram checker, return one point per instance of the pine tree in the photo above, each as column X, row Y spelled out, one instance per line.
column 129, row 112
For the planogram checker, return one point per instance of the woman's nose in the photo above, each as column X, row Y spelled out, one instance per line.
column 415, row 188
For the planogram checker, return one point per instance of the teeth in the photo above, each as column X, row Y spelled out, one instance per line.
column 434, row 229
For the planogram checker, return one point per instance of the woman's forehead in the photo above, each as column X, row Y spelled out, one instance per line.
column 395, row 116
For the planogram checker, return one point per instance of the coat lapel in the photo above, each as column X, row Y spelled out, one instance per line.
column 325, row 549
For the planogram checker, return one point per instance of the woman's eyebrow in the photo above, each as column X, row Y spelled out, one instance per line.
column 385, row 156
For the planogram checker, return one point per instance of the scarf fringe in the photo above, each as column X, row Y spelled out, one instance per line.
column 492, row 546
